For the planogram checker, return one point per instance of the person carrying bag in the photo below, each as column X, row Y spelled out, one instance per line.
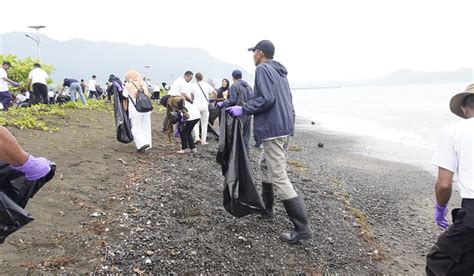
column 142, row 103
column 139, row 111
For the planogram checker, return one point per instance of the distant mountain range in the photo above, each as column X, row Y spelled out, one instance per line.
column 80, row 59
column 400, row 77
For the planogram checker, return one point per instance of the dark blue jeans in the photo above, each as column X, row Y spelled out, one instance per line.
column 5, row 99
column 93, row 94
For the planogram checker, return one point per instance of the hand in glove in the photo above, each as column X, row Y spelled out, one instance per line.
column 16, row 84
column 34, row 168
column 235, row 111
column 440, row 216
column 220, row 104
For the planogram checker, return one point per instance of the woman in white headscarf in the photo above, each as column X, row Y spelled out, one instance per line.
column 141, row 122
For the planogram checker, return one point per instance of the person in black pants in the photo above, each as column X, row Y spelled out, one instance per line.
column 453, row 253
column 38, row 79
column 187, row 139
column 177, row 104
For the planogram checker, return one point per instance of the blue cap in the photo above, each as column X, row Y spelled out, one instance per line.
column 265, row 46
column 237, row 74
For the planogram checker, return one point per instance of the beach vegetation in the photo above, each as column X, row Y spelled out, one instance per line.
column 21, row 69
column 47, row 117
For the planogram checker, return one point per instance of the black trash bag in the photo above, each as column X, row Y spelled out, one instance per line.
column 212, row 133
column 240, row 193
column 12, row 217
column 14, row 184
column 122, row 122
column 15, row 191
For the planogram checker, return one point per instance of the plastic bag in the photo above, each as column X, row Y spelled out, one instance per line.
column 122, row 122
column 15, row 191
column 240, row 194
column 12, row 217
column 14, row 184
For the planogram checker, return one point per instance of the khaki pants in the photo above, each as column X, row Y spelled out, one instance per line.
column 273, row 167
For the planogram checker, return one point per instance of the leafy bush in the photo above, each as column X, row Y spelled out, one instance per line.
column 21, row 68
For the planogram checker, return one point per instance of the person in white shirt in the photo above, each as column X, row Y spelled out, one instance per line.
column 93, row 88
column 453, row 253
column 178, row 88
column 201, row 92
column 38, row 82
column 21, row 99
column 5, row 95
column 140, row 121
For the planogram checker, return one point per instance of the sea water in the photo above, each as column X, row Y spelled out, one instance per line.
column 398, row 123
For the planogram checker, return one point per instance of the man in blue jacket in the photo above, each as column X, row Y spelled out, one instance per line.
column 240, row 93
column 274, row 123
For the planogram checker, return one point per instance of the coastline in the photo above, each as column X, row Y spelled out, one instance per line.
column 376, row 148
column 396, row 198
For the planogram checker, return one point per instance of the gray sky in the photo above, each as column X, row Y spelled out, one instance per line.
column 316, row 40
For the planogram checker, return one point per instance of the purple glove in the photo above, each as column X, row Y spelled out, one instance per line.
column 220, row 104
column 212, row 100
column 118, row 86
column 440, row 216
column 235, row 111
column 16, row 84
column 34, row 168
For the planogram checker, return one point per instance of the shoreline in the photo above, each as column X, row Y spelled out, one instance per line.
column 376, row 148
column 396, row 198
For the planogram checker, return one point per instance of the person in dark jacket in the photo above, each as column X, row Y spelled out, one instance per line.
column 240, row 93
column 274, row 123
column 74, row 87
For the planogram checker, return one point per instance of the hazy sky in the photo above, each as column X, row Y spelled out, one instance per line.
column 318, row 40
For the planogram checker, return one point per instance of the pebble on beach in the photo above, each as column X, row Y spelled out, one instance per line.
column 321, row 145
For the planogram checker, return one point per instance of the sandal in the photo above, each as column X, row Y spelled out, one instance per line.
column 194, row 151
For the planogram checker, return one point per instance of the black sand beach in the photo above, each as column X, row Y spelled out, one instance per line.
column 162, row 212
column 368, row 215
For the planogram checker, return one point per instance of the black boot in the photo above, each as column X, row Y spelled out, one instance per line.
column 267, row 197
column 296, row 211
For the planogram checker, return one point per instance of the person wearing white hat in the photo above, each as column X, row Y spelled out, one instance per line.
column 453, row 253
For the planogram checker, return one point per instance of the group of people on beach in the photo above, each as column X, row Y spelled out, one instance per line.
column 270, row 104
column 37, row 91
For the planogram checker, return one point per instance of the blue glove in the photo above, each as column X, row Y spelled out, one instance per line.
column 16, row 84
column 235, row 111
column 440, row 216
column 220, row 104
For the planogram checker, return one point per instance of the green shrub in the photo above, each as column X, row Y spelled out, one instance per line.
column 40, row 116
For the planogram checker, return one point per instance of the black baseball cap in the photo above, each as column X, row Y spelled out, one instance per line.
column 7, row 63
column 265, row 46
